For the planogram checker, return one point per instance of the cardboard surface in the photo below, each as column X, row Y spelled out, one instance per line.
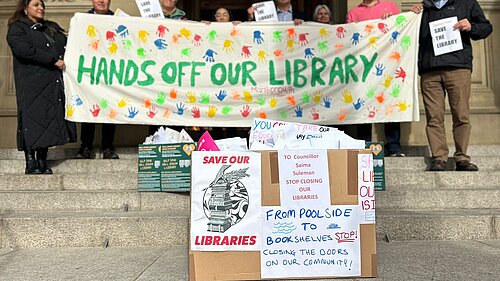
column 343, row 172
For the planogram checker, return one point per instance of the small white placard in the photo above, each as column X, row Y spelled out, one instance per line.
column 150, row 8
column 304, row 178
column 310, row 242
column 265, row 11
column 445, row 38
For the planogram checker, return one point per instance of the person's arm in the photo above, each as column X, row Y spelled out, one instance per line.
column 480, row 25
column 23, row 49
column 250, row 13
column 350, row 17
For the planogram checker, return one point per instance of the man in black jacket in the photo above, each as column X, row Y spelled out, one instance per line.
column 450, row 72
column 100, row 7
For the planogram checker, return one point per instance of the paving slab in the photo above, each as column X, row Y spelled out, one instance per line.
column 416, row 260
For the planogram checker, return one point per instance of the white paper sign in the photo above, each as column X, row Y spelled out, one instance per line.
column 225, row 201
column 366, row 188
column 150, row 8
column 310, row 242
column 265, row 11
column 445, row 38
column 304, row 178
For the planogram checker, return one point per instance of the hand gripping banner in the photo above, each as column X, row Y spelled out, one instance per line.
column 156, row 71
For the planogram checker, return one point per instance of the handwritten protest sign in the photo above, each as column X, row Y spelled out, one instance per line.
column 310, row 242
column 158, row 71
column 225, row 195
column 366, row 185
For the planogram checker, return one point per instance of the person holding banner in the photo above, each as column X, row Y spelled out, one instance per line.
column 448, row 72
column 284, row 10
column 171, row 11
column 38, row 48
column 99, row 7
column 322, row 14
column 370, row 10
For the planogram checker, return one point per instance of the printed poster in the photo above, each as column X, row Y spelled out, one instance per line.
column 310, row 242
column 226, row 201
column 265, row 11
column 445, row 39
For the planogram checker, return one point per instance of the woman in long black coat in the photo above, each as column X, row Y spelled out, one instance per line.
column 38, row 48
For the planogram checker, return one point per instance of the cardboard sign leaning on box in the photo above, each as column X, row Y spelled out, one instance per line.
column 344, row 185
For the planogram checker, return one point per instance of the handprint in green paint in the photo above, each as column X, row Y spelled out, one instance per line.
column 205, row 98
column 103, row 103
column 212, row 35
column 160, row 99
column 186, row 52
column 406, row 43
column 226, row 110
column 401, row 21
column 396, row 90
column 277, row 36
column 371, row 92
column 141, row 53
column 323, row 46
column 306, row 98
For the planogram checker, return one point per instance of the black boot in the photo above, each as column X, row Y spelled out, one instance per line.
column 41, row 156
column 31, row 164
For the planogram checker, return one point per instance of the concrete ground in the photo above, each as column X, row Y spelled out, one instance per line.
column 414, row 260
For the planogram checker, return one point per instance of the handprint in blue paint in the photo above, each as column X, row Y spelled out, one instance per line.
column 308, row 54
column 355, row 38
column 327, row 102
column 209, row 55
column 132, row 112
column 359, row 103
column 181, row 107
column 221, row 95
column 161, row 44
column 122, row 31
column 394, row 37
column 257, row 37
column 379, row 69
column 298, row 111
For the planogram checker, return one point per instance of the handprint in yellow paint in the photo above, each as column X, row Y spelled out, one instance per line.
column 290, row 45
column 317, row 96
column 211, row 111
column 143, row 36
column 262, row 56
column 113, row 47
column 70, row 110
column 228, row 46
column 324, row 33
column 91, row 31
column 123, row 102
column 191, row 97
column 372, row 42
column 388, row 80
column 347, row 96
column 403, row 106
column 186, row 33
column 247, row 96
column 273, row 102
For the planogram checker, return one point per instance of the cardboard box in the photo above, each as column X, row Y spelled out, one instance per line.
column 245, row 265
column 164, row 167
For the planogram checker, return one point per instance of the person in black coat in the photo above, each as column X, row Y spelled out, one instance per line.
column 38, row 48
column 99, row 7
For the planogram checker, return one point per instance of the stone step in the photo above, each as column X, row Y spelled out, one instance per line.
column 439, row 199
column 167, row 228
column 61, row 153
column 485, row 163
column 75, row 166
column 93, row 229
column 31, row 201
column 417, row 180
column 444, row 224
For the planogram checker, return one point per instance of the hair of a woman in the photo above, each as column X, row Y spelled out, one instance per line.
column 319, row 7
column 21, row 7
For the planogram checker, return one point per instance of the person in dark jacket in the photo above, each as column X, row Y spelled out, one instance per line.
column 100, row 7
column 449, row 73
column 38, row 48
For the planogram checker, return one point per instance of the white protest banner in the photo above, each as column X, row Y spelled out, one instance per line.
column 150, row 8
column 366, row 188
column 265, row 11
column 303, row 176
column 445, row 38
column 168, row 72
column 225, row 201
column 310, row 242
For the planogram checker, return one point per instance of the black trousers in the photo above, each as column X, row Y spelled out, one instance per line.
column 88, row 132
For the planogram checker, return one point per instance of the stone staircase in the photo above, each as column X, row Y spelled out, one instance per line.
column 94, row 203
